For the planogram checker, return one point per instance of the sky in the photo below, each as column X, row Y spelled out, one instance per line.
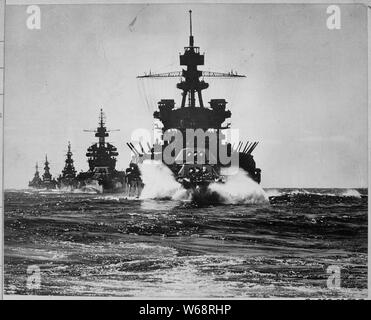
column 304, row 96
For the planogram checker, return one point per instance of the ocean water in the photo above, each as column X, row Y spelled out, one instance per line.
column 111, row 245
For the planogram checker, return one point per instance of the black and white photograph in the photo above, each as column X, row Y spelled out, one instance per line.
column 158, row 150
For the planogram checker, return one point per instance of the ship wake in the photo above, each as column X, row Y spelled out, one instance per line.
column 90, row 188
column 159, row 183
column 238, row 189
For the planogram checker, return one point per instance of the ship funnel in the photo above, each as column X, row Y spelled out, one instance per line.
column 191, row 41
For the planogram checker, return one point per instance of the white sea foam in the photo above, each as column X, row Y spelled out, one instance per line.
column 65, row 189
column 159, row 182
column 90, row 188
column 351, row 193
column 273, row 193
column 239, row 188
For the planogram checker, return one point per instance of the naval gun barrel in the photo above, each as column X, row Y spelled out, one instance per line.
column 129, row 146
column 255, row 145
column 244, row 149
column 252, row 147
column 135, row 149
column 239, row 146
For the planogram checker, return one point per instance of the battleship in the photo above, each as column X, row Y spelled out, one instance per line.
column 47, row 181
column 102, row 157
column 101, row 176
column 196, row 164
column 68, row 177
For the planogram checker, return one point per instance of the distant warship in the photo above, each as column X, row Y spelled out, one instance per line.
column 68, row 177
column 47, row 181
column 101, row 175
column 195, row 164
column 102, row 163
column 36, row 181
column 193, row 114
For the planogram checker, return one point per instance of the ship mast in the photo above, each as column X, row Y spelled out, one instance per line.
column 69, row 169
column 192, row 85
column 46, row 168
column 191, row 58
column 37, row 171
column 101, row 130
column 46, row 175
column 190, row 29
column 101, row 154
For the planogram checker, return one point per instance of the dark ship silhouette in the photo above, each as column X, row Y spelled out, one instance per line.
column 102, row 163
column 68, row 177
column 36, row 181
column 101, row 176
column 47, row 181
column 196, row 164
column 194, row 114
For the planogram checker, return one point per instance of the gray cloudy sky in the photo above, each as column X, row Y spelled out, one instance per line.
column 304, row 98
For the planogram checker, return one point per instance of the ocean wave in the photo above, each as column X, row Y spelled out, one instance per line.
column 90, row 189
column 308, row 192
column 273, row 193
column 351, row 193
column 159, row 182
column 239, row 189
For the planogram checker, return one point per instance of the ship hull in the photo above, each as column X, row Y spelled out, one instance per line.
column 193, row 176
column 93, row 182
column 102, row 185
